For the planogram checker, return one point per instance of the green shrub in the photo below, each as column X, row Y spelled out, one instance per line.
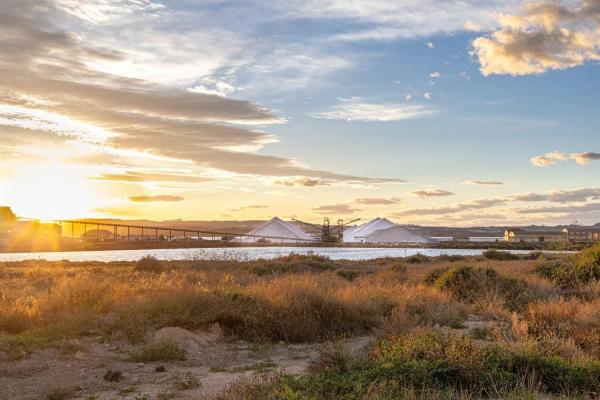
column 588, row 264
column 416, row 259
column 348, row 274
column 497, row 255
column 431, row 363
column 149, row 264
column 163, row 350
column 294, row 263
column 450, row 258
column 468, row 284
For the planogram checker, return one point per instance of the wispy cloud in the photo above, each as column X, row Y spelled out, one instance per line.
column 338, row 209
column 554, row 157
column 357, row 109
column 452, row 209
column 377, row 201
column 559, row 196
column 481, row 182
column 432, row 193
column 157, row 198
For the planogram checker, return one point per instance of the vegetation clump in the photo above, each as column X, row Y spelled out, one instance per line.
column 294, row 263
column 469, row 284
column 430, row 365
column 574, row 271
column 149, row 264
column 163, row 350
column 498, row 255
column 416, row 259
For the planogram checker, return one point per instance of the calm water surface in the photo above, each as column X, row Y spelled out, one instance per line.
column 239, row 254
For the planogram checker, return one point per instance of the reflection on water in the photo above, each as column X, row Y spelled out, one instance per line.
column 239, row 254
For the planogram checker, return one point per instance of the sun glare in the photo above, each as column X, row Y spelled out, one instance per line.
column 49, row 191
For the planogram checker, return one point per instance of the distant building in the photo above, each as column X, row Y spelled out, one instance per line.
column 97, row 235
column 519, row 235
column 582, row 234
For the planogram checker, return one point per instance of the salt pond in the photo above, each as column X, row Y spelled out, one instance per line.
column 239, row 253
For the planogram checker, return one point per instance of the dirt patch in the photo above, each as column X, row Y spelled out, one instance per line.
column 212, row 363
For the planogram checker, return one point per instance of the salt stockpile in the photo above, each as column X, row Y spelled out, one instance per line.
column 360, row 232
column 395, row 234
column 278, row 228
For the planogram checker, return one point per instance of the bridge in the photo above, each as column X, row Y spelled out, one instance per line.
column 128, row 232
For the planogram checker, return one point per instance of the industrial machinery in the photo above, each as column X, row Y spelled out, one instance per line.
column 330, row 234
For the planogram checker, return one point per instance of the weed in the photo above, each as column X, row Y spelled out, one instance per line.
column 149, row 264
column 112, row 375
column 185, row 381
column 499, row 255
column 163, row 350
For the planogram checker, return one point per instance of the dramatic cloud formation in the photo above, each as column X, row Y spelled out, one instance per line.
column 356, row 109
column 433, row 193
column 546, row 35
column 483, row 182
column 337, row 209
column 151, row 199
column 376, row 201
column 55, row 81
column 554, row 157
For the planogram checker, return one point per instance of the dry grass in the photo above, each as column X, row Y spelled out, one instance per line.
column 307, row 299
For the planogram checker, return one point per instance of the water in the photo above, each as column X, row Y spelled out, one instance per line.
column 239, row 254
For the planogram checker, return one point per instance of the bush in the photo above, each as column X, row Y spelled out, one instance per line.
column 149, row 264
column 348, row 274
column 450, row 258
column 431, row 363
column 294, row 263
column 497, row 255
column 416, row 259
column 163, row 350
column 470, row 285
column 185, row 381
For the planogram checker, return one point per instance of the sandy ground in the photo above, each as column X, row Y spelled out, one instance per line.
column 78, row 368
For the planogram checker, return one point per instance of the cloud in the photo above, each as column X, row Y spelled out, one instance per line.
column 453, row 209
column 554, row 157
column 303, row 181
column 427, row 95
column 483, row 182
column 135, row 177
column 584, row 158
column 584, row 208
column 158, row 198
column 375, row 201
column 559, row 196
column 544, row 36
column 548, row 159
column 430, row 45
column 387, row 20
column 433, row 193
column 435, row 75
column 80, row 87
column 356, row 109
column 335, row 209
column 254, row 207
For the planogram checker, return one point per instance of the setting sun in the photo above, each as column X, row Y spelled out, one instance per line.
column 49, row 191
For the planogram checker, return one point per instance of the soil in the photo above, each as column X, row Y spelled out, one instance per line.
column 76, row 369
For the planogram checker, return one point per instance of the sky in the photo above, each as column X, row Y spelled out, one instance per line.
column 456, row 112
